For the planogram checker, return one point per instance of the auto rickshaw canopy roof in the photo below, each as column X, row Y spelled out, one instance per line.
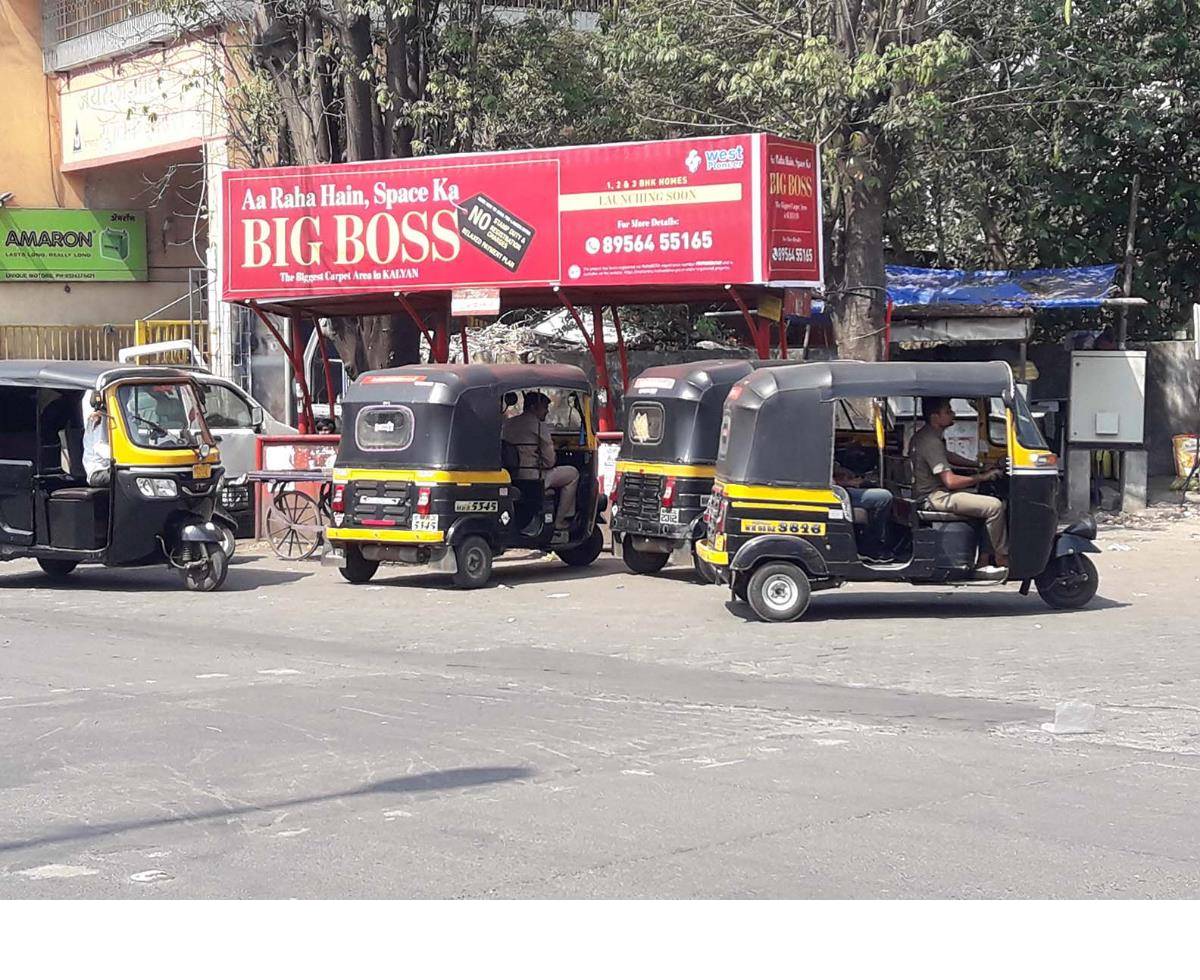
column 781, row 419
column 454, row 410
column 79, row 375
column 869, row 379
column 444, row 384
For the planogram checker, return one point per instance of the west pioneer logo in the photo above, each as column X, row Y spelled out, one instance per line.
column 729, row 159
column 692, row 162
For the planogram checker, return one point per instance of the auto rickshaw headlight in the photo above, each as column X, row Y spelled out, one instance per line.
column 153, row 487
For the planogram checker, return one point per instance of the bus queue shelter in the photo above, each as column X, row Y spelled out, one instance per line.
column 731, row 220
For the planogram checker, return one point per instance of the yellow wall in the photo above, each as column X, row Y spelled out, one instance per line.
column 29, row 154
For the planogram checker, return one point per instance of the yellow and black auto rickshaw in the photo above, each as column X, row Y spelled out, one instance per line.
column 668, row 460
column 145, row 492
column 424, row 476
column 779, row 527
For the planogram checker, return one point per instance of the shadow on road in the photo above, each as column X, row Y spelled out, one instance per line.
column 427, row 782
column 511, row 573
column 940, row 605
column 153, row 578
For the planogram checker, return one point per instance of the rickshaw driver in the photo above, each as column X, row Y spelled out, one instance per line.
column 948, row 492
column 97, row 453
column 531, row 435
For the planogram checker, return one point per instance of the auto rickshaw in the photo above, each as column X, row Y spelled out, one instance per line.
column 423, row 476
column 779, row 527
column 153, row 502
column 668, row 460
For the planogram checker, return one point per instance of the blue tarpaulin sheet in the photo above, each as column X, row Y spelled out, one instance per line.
column 1079, row 288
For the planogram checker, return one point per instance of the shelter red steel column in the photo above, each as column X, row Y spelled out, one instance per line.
column 761, row 338
column 621, row 350
column 325, row 364
column 608, row 420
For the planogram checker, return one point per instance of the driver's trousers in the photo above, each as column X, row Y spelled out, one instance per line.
column 979, row 507
column 565, row 479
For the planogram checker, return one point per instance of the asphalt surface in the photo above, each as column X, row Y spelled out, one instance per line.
column 587, row 733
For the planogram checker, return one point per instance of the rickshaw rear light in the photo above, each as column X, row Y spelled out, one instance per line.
column 337, row 502
column 668, row 492
column 423, row 497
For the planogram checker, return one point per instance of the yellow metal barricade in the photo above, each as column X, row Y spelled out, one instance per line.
column 160, row 331
column 89, row 343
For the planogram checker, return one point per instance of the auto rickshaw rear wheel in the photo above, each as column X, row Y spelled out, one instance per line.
column 642, row 562
column 778, row 592
column 473, row 558
column 57, row 568
column 704, row 571
column 1069, row 582
column 586, row 553
column 357, row 568
column 209, row 576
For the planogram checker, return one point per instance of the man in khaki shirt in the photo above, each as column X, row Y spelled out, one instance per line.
column 947, row 491
column 535, row 450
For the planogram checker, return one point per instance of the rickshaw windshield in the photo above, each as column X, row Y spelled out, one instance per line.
column 1029, row 433
column 566, row 411
column 163, row 416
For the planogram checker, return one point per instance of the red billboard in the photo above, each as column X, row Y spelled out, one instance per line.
column 691, row 212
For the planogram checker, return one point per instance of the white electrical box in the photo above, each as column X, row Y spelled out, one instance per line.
column 1108, row 398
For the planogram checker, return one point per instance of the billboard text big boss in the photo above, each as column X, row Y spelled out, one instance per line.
column 664, row 213
column 792, row 220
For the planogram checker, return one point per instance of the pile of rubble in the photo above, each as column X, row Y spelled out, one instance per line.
column 1157, row 514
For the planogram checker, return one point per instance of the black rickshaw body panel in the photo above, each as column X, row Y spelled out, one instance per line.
column 139, row 525
column 1032, row 521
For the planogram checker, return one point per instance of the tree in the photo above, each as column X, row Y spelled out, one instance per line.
column 856, row 76
column 1033, row 161
column 327, row 81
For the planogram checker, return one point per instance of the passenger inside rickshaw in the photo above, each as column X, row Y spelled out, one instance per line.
column 542, row 450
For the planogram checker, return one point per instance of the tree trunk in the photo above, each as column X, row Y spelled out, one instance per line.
column 357, row 58
column 372, row 342
column 860, row 299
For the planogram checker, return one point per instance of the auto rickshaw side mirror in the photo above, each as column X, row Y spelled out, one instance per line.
column 97, row 400
column 257, row 416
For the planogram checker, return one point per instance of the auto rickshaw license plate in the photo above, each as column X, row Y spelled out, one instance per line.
column 202, row 471
column 809, row 528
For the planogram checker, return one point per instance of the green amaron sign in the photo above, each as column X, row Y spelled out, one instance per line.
column 72, row 246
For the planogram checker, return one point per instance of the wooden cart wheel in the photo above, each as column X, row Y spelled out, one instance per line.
column 293, row 524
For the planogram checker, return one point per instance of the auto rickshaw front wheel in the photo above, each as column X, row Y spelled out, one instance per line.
column 57, row 568
column 642, row 562
column 357, row 568
column 778, row 592
column 1069, row 582
column 584, row 554
column 473, row 558
column 209, row 575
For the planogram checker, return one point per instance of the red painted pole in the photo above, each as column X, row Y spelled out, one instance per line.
column 762, row 344
column 325, row 364
column 621, row 350
column 608, row 419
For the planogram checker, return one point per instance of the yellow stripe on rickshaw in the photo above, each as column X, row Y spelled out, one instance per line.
column 461, row 477
column 393, row 535
column 665, row 469
column 754, row 491
column 711, row 555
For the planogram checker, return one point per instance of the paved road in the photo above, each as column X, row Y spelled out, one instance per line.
column 593, row 734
